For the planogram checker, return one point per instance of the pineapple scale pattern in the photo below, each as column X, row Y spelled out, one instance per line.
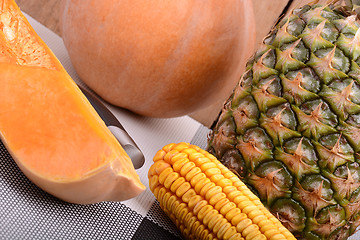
column 291, row 129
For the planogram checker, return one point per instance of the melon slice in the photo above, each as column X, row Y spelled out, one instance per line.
column 51, row 130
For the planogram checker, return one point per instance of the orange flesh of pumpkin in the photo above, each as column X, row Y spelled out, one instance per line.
column 45, row 121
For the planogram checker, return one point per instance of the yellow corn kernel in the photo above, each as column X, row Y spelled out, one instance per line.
column 221, row 203
column 216, row 178
column 192, row 173
column 200, row 230
column 200, row 205
column 224, row 182
column 177, row 183
column 243, row 224
column 178, row 157
column 223, row 229
column 229, row 232
column 180, row 147
column 227, row 207
column 236, row 236
column 169, row 155
column 218, row 226
column 195, row 155
column 277, row 237
column 248, row 209
column 197, row 178
column 179, row 164
column 193, row 227
column 170, row 179
column 186, row 168
column 205, row 200
column 203, row 211
column 161, row 193
column 165, row 199
column 183, row 188
column 153, row 182
column 256, row 216
column 200, row 184
column 200, row 161
column 250, row 229
column 168, row 147
column 239, row 217
column 159, row 155
column 265, row 225
column 206, row 188
column 212, row 192
column 194, row 200
column 158, row 167
column 214, row 221
column 171, row 202
column 190, row 221
column 210, row 215
column 163, row 175
column 188, row 195
column 232, row 213
column 216, row 198
column 270, row 233
column 255, row 236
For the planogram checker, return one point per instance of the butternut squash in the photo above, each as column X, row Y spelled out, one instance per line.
column 49, row 127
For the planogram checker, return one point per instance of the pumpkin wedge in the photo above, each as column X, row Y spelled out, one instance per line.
column 51, row 130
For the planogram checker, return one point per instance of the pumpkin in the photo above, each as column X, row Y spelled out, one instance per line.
column 48, row 126
column 159, row 58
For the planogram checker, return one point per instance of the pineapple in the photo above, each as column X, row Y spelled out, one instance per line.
column 291, row 128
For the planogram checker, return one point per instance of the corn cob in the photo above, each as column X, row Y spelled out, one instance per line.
column 206, row 200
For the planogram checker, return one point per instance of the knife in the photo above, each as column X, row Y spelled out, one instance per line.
column 128, row 144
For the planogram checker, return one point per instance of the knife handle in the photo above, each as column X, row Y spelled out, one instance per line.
column 129, row 146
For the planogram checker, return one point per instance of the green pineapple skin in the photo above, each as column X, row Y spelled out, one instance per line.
column 291, row 128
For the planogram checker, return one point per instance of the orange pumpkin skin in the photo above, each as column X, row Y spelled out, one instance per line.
column 159, row 58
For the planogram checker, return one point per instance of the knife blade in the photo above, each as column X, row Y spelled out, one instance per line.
column 128, row 144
